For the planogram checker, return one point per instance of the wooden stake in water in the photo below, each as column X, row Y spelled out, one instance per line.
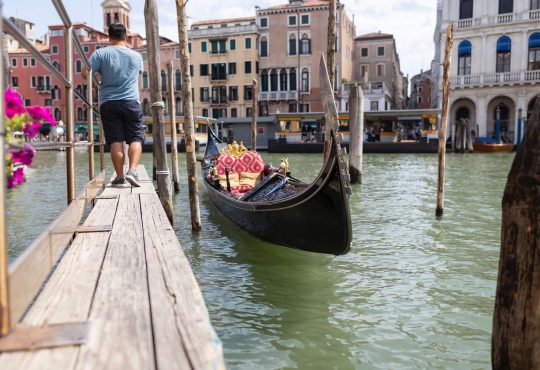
column 516, row 319
column 189, row 125
column 444, row 118
column 331, row 42
column 254, row 113
column 356, row 127
column 174, row 140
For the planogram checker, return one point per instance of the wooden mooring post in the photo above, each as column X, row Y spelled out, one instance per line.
column 254, row 113
column 356, row 137
column 516, row 319
column 189, row 125
column 331, row 42
column 157, row 106
column 174, row 139
column 444, row 119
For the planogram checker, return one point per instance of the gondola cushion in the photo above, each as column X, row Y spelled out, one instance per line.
column 247, row 168
column 234, row 181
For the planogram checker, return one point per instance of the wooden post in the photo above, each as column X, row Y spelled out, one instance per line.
column 331, row 42
column 174, row 140
column 70, row 113
column 356, row 137
column 444, row 119
column 160, row 152
column 254, row 113
column 90, row 110
column 516, row 319
column 189, row 125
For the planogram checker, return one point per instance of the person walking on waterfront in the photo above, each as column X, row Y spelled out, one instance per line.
column 120, row 108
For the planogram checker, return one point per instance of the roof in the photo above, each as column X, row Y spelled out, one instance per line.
column 227, row 20
column 375, row 36
column 41, row 47
column 304, row 4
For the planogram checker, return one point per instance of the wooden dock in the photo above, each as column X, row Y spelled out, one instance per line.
column 126, row 275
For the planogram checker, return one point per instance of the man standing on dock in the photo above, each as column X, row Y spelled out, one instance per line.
column 120, row 108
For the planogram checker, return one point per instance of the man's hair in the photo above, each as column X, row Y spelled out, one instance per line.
column 117, row 31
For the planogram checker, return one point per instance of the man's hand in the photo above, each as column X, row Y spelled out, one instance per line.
column 85, row 73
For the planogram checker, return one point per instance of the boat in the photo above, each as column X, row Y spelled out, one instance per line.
column 481, row 147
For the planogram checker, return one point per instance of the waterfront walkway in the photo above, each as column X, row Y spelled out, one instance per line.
column 132, row 282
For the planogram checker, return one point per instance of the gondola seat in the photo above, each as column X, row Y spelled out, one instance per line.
column 244, row 171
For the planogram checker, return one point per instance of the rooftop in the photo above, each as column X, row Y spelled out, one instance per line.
column 375, row 36
column 219, row 21
column 299, row 4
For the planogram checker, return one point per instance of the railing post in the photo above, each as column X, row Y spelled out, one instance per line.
column 90, row 109
column 101, row 141
column 70, row 150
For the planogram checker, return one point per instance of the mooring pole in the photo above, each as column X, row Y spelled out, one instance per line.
column 516, row 319
column 520, row 124
column 470, row 147
column 356, row 136
column 254, row 113
column 189, row 125
column 70, row 113
column 444, row 118
column 174, row 142
column 331, row 42
column 90, row 110
column 157, row 106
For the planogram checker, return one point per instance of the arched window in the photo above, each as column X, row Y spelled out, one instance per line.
column 178, row 106
column 292, row 44
column 463, row 113
column 506, row 6
column 305, row 80
column 146, row 107
column 292, row 80
column 283, row 80
column 55, row 93
column 163, row 80
column 534, row 51
column 305, row 44
column 464, row 58
column 273, row 80
column 57, row 114
column 78, row 66
column 145, row 80
column 504, row 51
column 465, row 9
column 79, row 89
column 177, row 80
column 264, row 47
column 264, row 81
column 79, row 114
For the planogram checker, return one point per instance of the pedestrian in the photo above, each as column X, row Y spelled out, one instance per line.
column 120, row 108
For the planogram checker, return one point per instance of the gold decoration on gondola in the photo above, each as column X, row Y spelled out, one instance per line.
column 284, row 167
column 234, row 149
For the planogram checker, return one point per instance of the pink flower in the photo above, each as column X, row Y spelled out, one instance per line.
column 39, row 113
column 24, row 156
column 14, row 103
column 31, row 129
column 16, row 178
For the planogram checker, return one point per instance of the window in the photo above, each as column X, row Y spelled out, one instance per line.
column 14, row 81
column 248, row 112
column 292, row 107
column 304, row 19
column 504, row 51
column 204, row 94
column 55, row 92
column 264, row 23
column 418, row 100
column 205, row 112
column 178, row 80
column 380, row 51
column 234, row 112
column 464, row 58
column 305, row 80
column 273, row 80
column 264, row 47
column 203, row 46
column 32, row 62
column 163, row 80
column 292, row 45
column 14, row 62
column 304, row 108
column 380, row 70
column 465, row 9
column 247, row 43
column 27, row 102
column 305, row 45
column 264, row 81
column 176, row 54
column 33, row 81
column 191, row 70
column 218, row 46
column 25, row 62
column 534, row 51
column 248, row 92
column 145, row 80
column 535, row 4
column 56, row 64
column 506, row 6
column 374, row 105
column 232, row 68
column 57, row 114
column 292, row 20
column 292, row 80
column 283, row 80
column 232, row 44
column 54, row 49
column 78, row 66
column 48, row 103
column 364, row 52
column 219, row 71
column 189, row 47
column 233, row 93
column 178, row 109
column 79, row 114
column 364, row 71
column 143, row 54
column 204, row 69
column 86, row 49
column 247, row 67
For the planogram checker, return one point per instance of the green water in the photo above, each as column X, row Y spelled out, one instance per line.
column 415, row 292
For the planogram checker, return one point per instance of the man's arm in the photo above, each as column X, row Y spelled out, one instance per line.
column 85, row 72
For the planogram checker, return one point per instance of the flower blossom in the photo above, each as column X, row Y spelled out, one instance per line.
column 13, row 103
column 39, row 113
column 24, row 156
column 16, row 178
column 31, row 129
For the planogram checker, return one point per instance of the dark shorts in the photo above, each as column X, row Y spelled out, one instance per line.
column 122, row 121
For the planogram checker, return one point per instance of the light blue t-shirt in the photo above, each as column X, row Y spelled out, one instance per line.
column 119, row 68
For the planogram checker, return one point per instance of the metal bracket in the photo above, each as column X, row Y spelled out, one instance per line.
column 31, row 338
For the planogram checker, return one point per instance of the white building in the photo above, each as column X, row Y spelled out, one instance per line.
column 495, row 61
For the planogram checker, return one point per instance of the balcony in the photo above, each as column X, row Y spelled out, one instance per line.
column 43, row 89
column 278, row 95
column 495, row 79
column 465, row 23
column 221, row 101
column 218, row 77
column 534, row 14
column 505, row 18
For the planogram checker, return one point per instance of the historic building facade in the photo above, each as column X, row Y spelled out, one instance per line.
column 421, row 91
column 495, row 62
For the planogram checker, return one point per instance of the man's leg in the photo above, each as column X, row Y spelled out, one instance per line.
column 117, row 155
column 134, row 153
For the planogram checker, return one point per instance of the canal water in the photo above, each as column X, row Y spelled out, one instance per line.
column 415, row 292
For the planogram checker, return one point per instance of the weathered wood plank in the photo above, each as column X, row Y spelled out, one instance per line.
column 176, row 299
column 120, row 332
column 147, row 186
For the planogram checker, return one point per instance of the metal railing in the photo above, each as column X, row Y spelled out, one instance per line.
column 28, row 272
column 490, row 79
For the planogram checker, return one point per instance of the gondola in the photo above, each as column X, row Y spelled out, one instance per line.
column 283, row 210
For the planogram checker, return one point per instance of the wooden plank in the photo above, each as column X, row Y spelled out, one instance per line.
column 147, row 186
column 68, row 295
column 176, row 299
column 120, row 333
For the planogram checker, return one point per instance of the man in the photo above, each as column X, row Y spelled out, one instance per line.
column 120, row 108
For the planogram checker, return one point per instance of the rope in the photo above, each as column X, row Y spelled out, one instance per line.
column 163, row 172
column 158, row 104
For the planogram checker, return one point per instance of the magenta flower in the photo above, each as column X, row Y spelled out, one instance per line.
column 16, row 178
column 39, row 113
column 24, row 156
column 14, row 103
column 31, row 129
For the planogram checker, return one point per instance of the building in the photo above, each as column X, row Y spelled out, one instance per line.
column 496, row 61
column 224, row 62
column 421, row 91
column 293, row 37
column 377, row 67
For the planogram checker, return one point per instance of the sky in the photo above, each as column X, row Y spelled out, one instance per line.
column 412, row 22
